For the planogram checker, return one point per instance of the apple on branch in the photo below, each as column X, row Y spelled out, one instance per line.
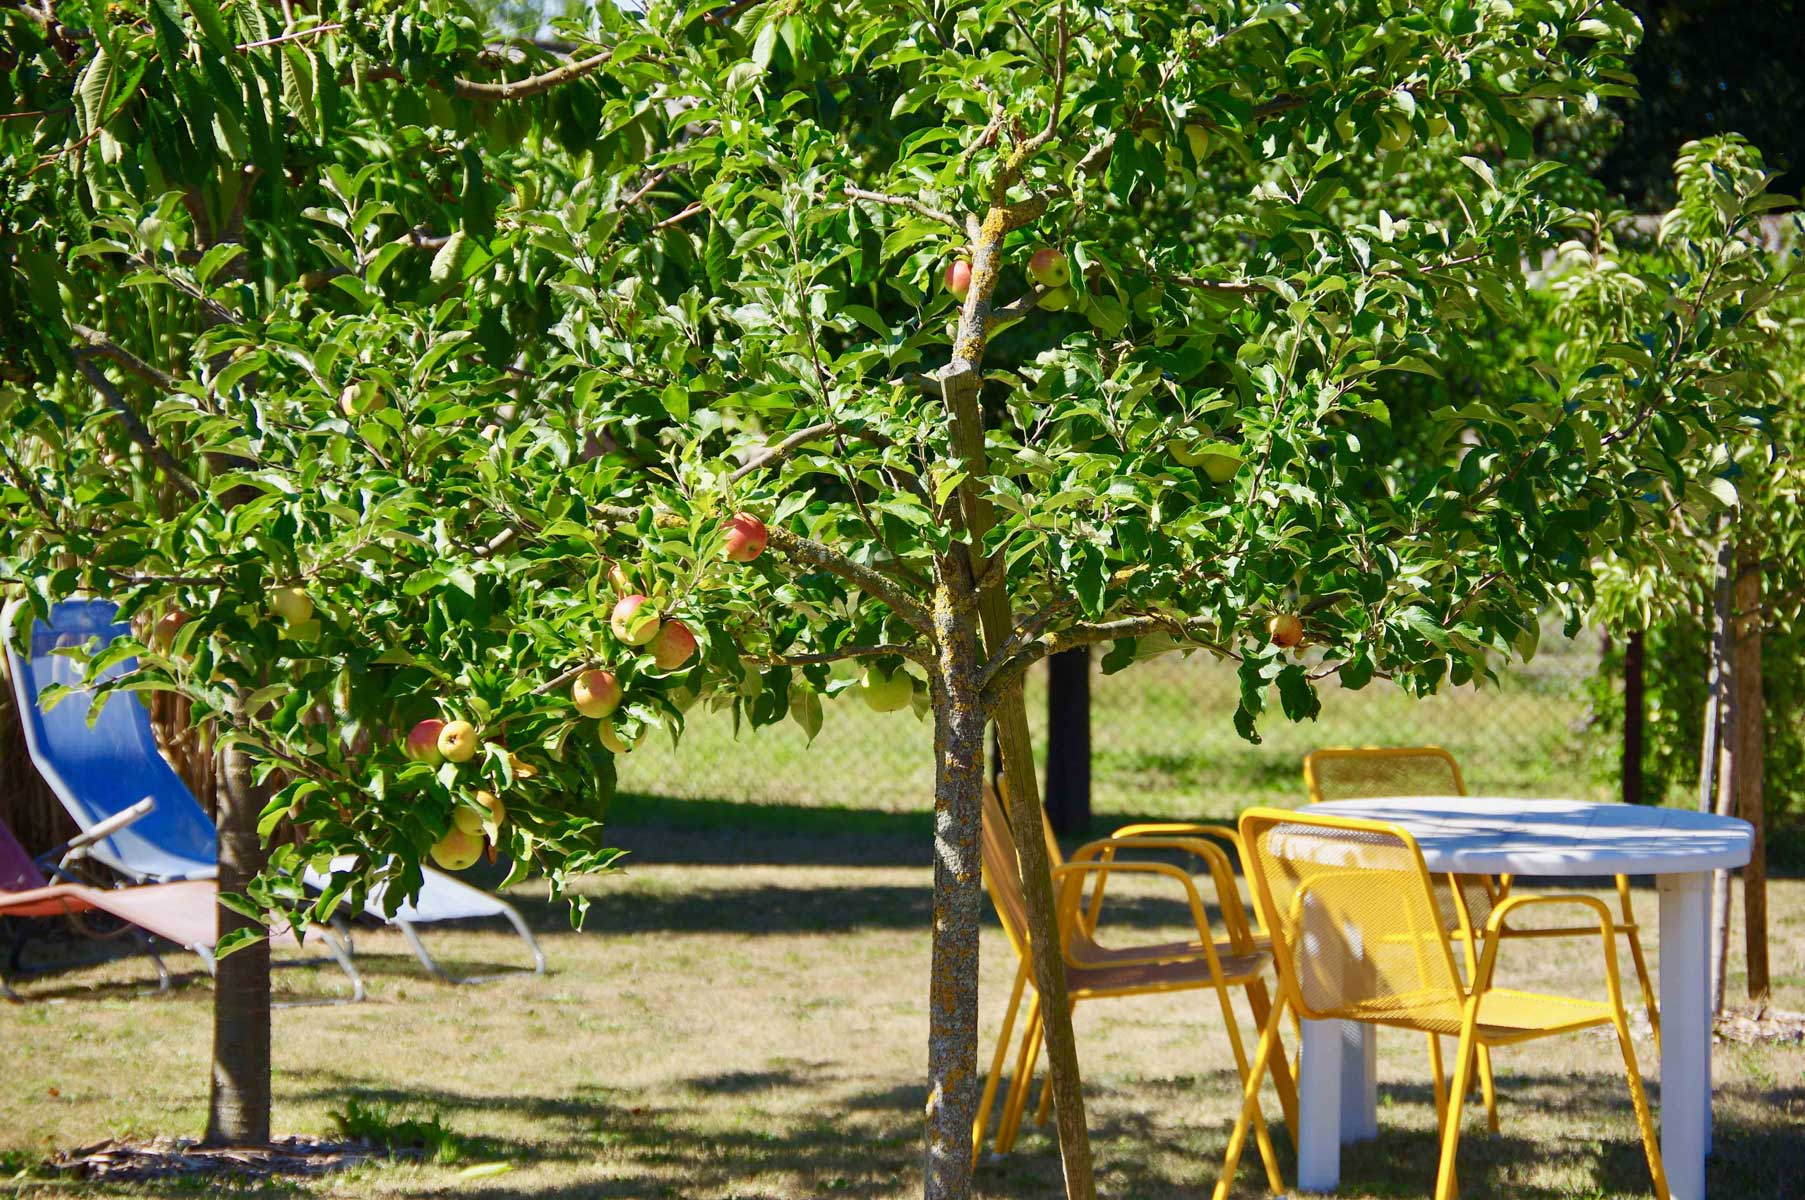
column 292, row 604
column 489, row 813
column 958, row 278
column 595, row 693
column 635, row 620
column 746, row 537
column 1049, row 268
column 1285, row 630
column 885, row 691
column 457, row 850
column 457, row 741
column 674, row 645
column 611, row 738
column 422, row 743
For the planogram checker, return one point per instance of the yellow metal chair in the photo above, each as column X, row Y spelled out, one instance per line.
column 1359, row 934
column 1096, row 972
column 1360, row 774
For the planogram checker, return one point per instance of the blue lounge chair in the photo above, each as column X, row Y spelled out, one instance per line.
column 96, row 771
column 185, row 912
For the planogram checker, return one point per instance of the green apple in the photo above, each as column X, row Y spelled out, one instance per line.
column 457, row 850
column 885, row 692
column 1055, row 299
column 292, row 604
column 610, row 738
column 471, row 820
column 1221, row 460
column 457, row 741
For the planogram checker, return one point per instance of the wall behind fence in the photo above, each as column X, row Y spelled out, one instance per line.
column 1164, row 743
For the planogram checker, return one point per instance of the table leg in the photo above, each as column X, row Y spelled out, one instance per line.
column 1685, row 1032
column 1319, row 1092
column 1359, row 1082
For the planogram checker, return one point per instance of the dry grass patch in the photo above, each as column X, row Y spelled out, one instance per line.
column 744, row 1017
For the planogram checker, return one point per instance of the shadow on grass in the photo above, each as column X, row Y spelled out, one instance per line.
column 683, row 1141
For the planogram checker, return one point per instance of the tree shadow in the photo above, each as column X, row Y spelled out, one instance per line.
column 1148, row 1140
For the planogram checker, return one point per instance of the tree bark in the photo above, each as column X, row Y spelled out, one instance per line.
column 1635, row 713
column 239, row 1104
column 1714, row 754
column 1022, row 795
column 1750, row 763
column 953, row 1083
column 1069, row 740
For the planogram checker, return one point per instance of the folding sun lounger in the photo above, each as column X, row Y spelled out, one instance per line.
column 183, row 912
column 99, row 770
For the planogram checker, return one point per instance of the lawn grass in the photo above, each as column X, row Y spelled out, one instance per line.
column 1163, row 742
column 744, row 1017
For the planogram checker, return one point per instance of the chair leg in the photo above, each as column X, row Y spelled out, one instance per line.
column 1488, row 1088
column 1023, row 1082
column 1283, row 1080
column 1250, row 1107
column 1441, row 1082
column 1651, row 1141
column 1446, row 1185
column 1262, row 1136
column 988, row 1100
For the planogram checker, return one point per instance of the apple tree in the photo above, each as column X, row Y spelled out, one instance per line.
column 921, row 340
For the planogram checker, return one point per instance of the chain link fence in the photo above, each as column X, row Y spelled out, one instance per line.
column 1163, row 742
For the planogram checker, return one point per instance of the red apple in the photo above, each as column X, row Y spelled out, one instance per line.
column 746, row 537
column 1285, row 630
column 423, row 742
column 619, row 580
column 958, row 278
column 635, row 620
column 673, row 646
column 457, row 741
column 1049, row 268
column 595, row 693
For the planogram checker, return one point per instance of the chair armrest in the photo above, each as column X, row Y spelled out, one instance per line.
column 1222, row 874
column 77, row 846
column 1497, row 929
column 1068, row 916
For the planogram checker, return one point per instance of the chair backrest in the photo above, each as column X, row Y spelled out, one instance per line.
column 1367, row 772
column 100, row 769
column 1002, row 877
column 1353, row 913
column 18, row 872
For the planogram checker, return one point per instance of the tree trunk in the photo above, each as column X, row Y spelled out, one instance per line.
column 239, row 1103
column 953, row 1082
column 1069, row 740
column 1635, row 714
column 1750, row 763
column 960, row 389
column 1714, row 754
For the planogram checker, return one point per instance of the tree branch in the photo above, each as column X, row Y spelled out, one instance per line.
column 1003, row 671
column 788, row 446
column 911, row 203
column 532, row 85
column 910, row 651
column 136, row 428
column 808, row 553
column 102, row 344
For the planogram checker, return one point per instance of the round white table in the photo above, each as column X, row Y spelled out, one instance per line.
column 1479, row 835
